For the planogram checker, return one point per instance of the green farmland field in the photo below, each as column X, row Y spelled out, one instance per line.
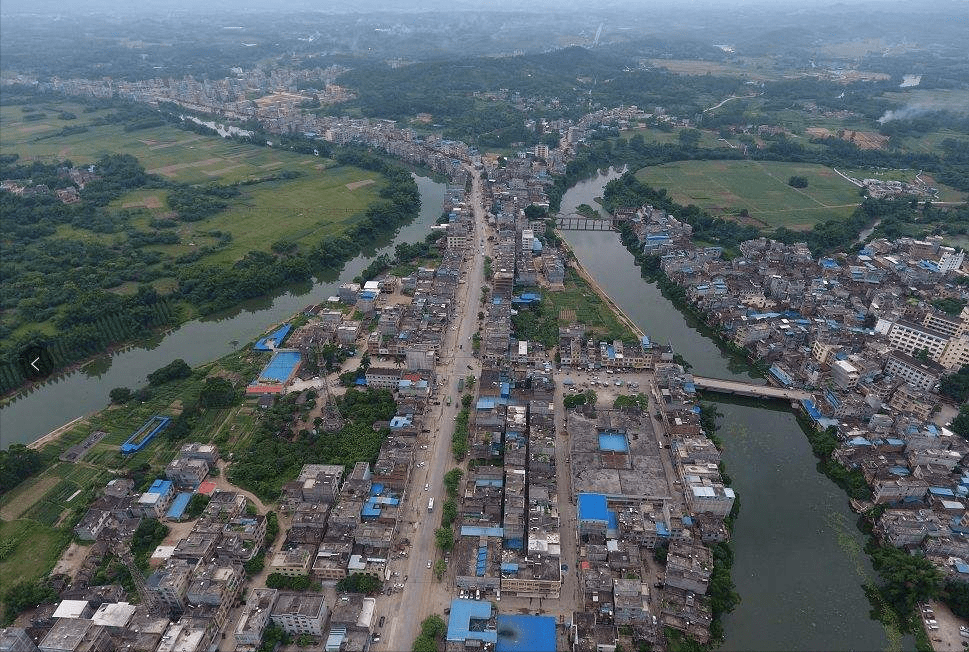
column 322, row 201
column 726, row 187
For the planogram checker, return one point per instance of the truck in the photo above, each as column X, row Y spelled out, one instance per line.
column 430, row 504
column 460, row 384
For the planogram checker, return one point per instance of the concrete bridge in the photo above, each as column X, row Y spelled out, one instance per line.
column 749, row 389
column 576, row 222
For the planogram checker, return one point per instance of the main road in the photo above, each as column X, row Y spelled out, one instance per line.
column 422, row 594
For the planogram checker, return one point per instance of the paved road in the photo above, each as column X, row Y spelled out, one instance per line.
column 422, row 595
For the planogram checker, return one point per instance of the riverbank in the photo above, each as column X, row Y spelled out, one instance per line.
column 53, row 435
column 722, row 594
column 790, row 511
column 591, row 281
column 83, row 388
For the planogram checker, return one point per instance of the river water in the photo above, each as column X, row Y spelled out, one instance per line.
column 799, row 564
column 35, row 413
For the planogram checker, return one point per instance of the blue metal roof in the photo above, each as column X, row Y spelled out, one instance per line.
column 520, row 633
column 459, row 621
column 592, row 507
column 276, row 337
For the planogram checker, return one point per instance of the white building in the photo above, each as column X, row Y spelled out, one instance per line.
column 951, row 261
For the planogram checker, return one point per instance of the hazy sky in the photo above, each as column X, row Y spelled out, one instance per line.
column 354, row 6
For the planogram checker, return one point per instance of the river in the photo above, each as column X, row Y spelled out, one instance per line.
column 85, row 390
column 799, row 564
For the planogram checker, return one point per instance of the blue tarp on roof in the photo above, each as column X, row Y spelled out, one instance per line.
column 485, row 403
column 273, row 340
column 592, row 507
column 515, row 543
column 941, row 491
column 662, row 530
column 509, row 567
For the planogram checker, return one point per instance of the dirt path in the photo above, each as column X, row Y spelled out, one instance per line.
column 223, row 484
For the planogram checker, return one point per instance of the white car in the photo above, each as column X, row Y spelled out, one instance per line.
column 426, row 487
column 428, row 563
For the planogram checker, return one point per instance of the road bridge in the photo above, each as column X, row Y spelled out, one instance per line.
column 750, row 389
column 576, row 222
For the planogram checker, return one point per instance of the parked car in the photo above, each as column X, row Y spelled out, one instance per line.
column 428, row 563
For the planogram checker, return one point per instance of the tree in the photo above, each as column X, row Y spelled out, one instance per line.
column 359, row 583
column 433, row 627
column 17, row 463
column 960, row 425
column 120, row 395
column 534, row 212
column 956, row 386
column 451, row 481
column 272, row 528
column 174, row 370
column 690, row 137
column 196, row 505
column 26, row 595
column 424, row 644
column 444, row 537
column 217, row 392
column 797, row 182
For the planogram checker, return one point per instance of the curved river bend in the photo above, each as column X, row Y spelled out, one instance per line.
column 36, row 413
column 799, row 564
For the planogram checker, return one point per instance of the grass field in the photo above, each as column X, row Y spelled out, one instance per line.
column 323, row 201
column 589, row 309
column 36, row 549
column 726, row 187
column 167, row 151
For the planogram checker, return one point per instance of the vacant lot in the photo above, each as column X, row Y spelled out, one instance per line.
column 726, row 187
column 35, row 550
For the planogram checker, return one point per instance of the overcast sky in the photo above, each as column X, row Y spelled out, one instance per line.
column 161, row 6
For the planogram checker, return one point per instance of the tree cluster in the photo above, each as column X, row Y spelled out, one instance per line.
column 18, row 463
